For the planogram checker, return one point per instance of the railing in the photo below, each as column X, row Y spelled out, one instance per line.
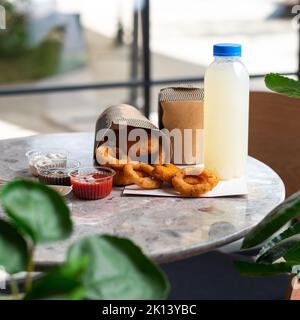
column 147, row 82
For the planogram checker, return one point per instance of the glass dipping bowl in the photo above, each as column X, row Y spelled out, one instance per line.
column 56, row 172
column 92, row 183
column 48, row 156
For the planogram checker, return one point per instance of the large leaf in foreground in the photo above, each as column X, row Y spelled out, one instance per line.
column 283, row 85
column 289, row 232
column 37, row 211
column 280, row 249
column 118, row 269
column 262, row 269
column 276, row 219
column 293, row 254
column 13, row 249
column 62, row 282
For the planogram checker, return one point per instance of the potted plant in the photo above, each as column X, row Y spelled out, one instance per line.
column 280, row 253
column 95, row 267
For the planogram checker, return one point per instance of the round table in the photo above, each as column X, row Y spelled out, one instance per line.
column 167, row 229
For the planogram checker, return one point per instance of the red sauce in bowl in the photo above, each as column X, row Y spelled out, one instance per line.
column 92, row 184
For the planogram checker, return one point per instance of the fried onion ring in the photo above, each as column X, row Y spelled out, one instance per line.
column 120, row 179
column 148, row 182
column 192, row 179
column 164, row 172
column 207, row 181
column 159, row 156
column 143, row 148
column 105, row 156
column 150, row 146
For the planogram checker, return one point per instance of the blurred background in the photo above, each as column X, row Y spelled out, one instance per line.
column 63, row 61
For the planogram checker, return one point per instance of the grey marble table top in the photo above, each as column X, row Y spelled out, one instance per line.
column 167, row 229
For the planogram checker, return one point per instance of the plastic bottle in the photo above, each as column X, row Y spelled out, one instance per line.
column 226, row 113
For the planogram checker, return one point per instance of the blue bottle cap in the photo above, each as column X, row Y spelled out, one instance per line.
column 227, row 50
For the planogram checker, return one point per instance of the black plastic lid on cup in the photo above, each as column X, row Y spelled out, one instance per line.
column 227, row 50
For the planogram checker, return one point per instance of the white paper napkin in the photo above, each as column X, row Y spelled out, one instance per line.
column 225, row 188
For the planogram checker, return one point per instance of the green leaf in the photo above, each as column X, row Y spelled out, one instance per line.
column 118, row 270
column 37, row 211
column 279, row 249
column 62, row 282
column 276, row 219
column 291, row 231
column 283, row 85
column 262, row 269
column 13, row 249
column 293, row 254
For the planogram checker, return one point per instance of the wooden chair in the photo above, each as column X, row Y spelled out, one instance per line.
column 274, row 138
column 274, row 135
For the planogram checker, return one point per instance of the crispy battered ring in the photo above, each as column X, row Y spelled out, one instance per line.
column 165, row 172
column 150, row 146
column 159, row 156
column 207, row 181
column 104, row 157
column 148, row 182
column 192, row 179
column 143, row 148
column 120, row 179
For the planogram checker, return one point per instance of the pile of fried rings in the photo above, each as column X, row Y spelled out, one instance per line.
column 189, row 182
